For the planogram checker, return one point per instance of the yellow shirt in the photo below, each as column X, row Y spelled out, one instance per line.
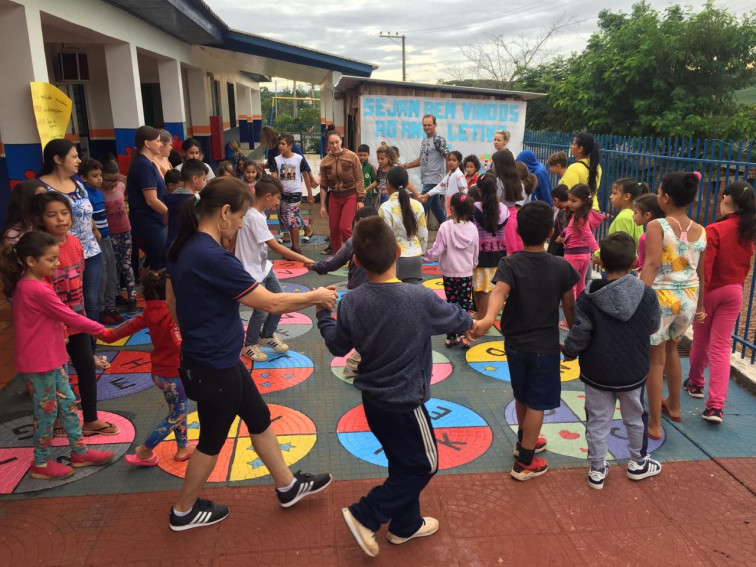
column 578, row 173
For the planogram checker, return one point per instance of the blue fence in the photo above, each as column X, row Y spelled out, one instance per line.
column 720, row 162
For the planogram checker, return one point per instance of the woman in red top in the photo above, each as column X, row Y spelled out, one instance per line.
column 729, row 249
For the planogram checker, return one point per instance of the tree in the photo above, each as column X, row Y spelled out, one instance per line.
column 670, row 74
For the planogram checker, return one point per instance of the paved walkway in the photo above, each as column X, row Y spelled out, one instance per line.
column 700, row 511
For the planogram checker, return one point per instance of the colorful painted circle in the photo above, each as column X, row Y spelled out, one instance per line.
column 290, row 326
column 17, row 453
column 564, row 429
column 280, row 371
column 442, row 368
column 238, row 460
column 490, row 360
column 341, row 272
column 130, row 372
column 437, row 285
column 431, row 269
column 289, row 287
column 461, row 434
column 285, row 269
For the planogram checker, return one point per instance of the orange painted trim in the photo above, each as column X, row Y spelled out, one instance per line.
column 189, row 132
column 2, row 149
column 103, row 133
column 340, row 130
column 256, row 117
column 243, row 117
column 201, row 130
column 75, row 138
column 226, row 125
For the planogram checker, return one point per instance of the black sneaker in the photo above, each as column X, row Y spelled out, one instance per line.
column 693, row 391
column 204, row 513
column 713, row 415
column 305, row 485
column 327, row 251
column 131, row 307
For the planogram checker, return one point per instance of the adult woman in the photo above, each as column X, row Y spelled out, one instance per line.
column 145, row 188
column 501, row 139
column 341, row 174
column 587, row 168
column 191, row 149
column 207, row 279
column 543, row 189
column 162, row 162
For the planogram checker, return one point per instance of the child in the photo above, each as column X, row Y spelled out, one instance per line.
column 453, row 182
column 529, row 180
column 557, row 164
column 113, row 190
column 251, row 174
column 624, row 193
column 645, row 209
column 90, row 171
column 356, row 276
column 386, row 160
column 173, row 181
column 560, row 197
column 729, row 249
column 165, row 359
column 532, row 283
column 40, row 352
column 456, row 249
column 471, row 166
column 391, row 325
column 369, row 175
column 252, row 243
column 490, row 217
column 577, row 237
column 53, row 213
column 287, row 166
column 511, row 191
column 194, row 179
column 191, row 149
column 406, row 218
column 674, row 267
column 225, row 169
column 614, row 319
column 18, row 218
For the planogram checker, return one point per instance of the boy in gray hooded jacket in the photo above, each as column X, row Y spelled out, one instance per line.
column 614, row 319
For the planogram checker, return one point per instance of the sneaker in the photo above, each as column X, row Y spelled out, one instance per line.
column 90, row 458
column 131, row 306
column 648, row 468
column 115, row 316
column 350, row 370
column 106, row 318
column 713, row 415
column 537, row 467
column 203, row 513
column 121, row 301
column 53, row 471
column 539, row 448
column 365, row 538
column 693, row 391
column 275, row 343
column 254, row 352
column 564, row 325
column 429, row 527
column 596, row 477
column 305, row 485
column 327, row 251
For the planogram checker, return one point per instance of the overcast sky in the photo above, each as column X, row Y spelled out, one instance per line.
column 436, row 31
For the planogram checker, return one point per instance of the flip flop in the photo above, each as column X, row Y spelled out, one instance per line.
column 101, row 362
column 101, row 430
column 184, row 458
column 654, row 437
column 59, row 432
column 136, row 461
column 665, row 410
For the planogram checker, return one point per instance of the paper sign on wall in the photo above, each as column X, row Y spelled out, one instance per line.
column 52, row 111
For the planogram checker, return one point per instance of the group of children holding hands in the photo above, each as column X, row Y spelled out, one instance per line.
column 687, row 275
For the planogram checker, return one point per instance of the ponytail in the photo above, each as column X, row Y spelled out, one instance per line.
column 743, row 198
column 221, row 191
column 506, row 172
column 489, row 202
column 398, row 179
column 12, row 257
column 591, row 150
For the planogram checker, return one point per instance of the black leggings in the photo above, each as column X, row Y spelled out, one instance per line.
column 79, row 348
column 221, row 395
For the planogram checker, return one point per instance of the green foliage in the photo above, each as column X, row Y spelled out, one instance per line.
column 307, row 115
column 653, row 74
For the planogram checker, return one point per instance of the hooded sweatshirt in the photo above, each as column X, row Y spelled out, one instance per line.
column 613, row 323
column 455, row 248
column 543, row 190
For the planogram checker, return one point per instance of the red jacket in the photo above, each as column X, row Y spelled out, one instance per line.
column 166, row 339
column 728, row 259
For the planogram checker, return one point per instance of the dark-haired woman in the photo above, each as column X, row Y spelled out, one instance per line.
column 146, row 189
column 587, row 168
column 206, row 285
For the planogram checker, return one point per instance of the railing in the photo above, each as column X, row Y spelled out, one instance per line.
column 720, row 162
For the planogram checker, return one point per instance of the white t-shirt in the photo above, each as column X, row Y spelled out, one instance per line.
column 210, row 173
column 290, row 172
column 500, row 195
column 453, row 182
column 250, row 244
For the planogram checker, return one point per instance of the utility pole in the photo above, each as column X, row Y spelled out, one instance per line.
column 404, row 59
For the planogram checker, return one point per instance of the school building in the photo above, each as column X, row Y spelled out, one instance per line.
column 124, row 63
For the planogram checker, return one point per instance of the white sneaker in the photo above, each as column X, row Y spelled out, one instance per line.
column 364, row 537
column 429, row 527
column 596, row 478
column 275, row 343
column 254, row 352
column 648, row 468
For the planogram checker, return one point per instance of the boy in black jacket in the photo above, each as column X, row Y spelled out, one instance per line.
column 613, row 321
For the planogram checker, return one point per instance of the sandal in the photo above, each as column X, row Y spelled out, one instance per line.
column 59, row 432
column 136, row 461
column 101, row 430
column 101, row 362
column 184, row 458
column 307, row 234
column 665, row 410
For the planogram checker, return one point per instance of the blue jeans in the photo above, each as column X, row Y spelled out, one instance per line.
column 434, row 203
column 150, row 237
column 271, row 283
column 535, row 378
column 91, row 283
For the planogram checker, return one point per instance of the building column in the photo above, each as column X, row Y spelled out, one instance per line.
column 256, row 118
column 199, row 107
column 125, row 97
column 172, row 95
column 331, row 110
column 20, row 151
column 243, row 112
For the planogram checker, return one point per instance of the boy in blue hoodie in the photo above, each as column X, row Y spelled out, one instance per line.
column 390, row 324
column 614, row 319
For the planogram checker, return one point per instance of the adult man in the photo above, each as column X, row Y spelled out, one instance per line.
column 432, row 162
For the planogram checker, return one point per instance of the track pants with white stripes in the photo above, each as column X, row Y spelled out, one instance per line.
column 409, row 443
